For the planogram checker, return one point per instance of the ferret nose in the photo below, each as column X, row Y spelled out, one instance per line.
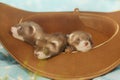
column 13, row 29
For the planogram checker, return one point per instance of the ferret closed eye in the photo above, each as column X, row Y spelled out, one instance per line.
column 80, row 41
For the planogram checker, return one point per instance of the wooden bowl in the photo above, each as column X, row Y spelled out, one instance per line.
column 104, row 28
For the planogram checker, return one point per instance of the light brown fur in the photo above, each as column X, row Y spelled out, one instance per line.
column 80, row 41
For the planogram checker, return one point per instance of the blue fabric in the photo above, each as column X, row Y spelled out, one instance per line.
column 11, row 70
column 114, row 75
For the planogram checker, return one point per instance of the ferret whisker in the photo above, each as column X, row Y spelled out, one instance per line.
column 20, row 21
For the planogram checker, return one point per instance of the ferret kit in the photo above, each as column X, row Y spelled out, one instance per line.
column 48, row 45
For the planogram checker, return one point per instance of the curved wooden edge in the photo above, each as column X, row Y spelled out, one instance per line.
column 14, row 11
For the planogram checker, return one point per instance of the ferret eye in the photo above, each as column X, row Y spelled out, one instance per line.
column 78, row 39
column 53, row 43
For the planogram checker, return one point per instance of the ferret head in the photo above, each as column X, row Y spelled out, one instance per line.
column 80, row 40
column 27, row 31
column 53, row 45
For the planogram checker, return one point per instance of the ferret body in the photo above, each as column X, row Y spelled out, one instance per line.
column 27, row 31
column 80, row 41
column 53, row 45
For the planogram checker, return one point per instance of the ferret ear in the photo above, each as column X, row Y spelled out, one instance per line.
column 31, row 30
column 70, row 37
column 89, row 35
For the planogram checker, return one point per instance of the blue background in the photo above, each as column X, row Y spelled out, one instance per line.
column 65, row 5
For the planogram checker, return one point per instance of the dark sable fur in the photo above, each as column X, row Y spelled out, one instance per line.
column 49, row 44
column 30, row 31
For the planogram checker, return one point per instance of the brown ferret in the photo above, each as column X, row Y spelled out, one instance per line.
column 80, row 41
column 52, row 45
column 27, row 31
